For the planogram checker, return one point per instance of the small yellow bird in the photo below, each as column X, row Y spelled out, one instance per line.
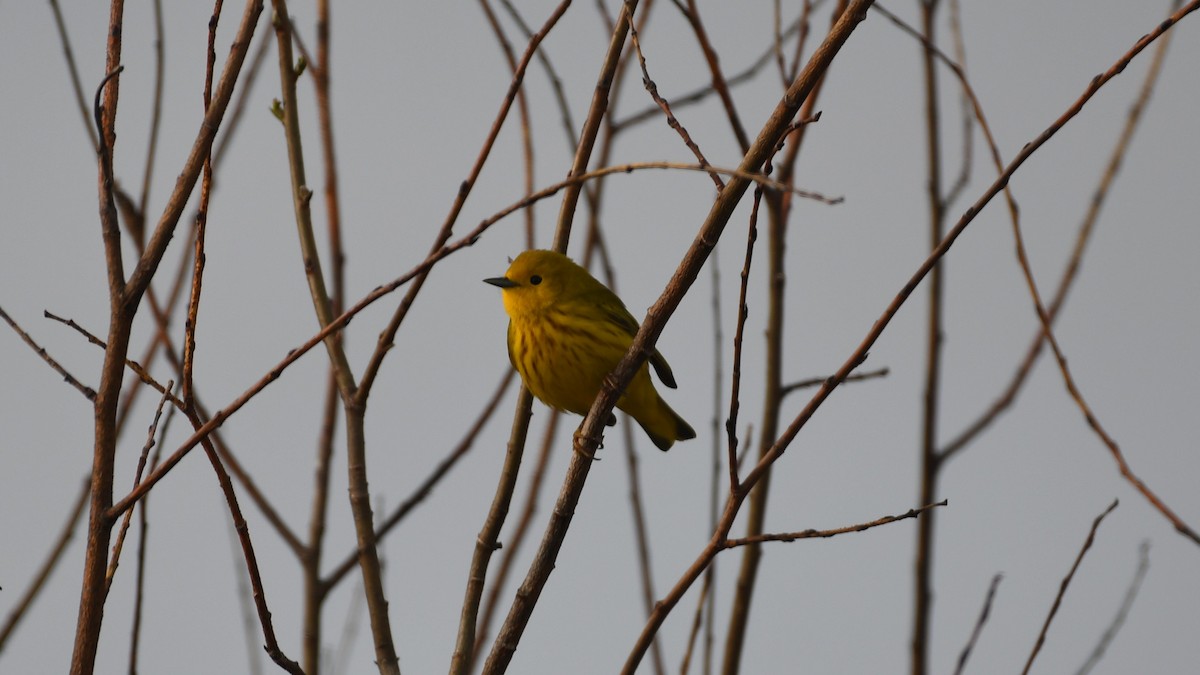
column 567, row 331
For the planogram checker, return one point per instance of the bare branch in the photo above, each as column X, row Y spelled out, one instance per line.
column 1062, row 587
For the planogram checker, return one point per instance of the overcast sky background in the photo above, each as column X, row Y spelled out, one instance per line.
column 416, row 86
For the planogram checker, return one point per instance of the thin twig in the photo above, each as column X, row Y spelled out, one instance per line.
column 139, row 592
column 88, row 392
column 315, row 592
column 73, row 71
column 743, row 311
column 522, row 114
column 672, row 121
column 114, row 559
column 1062, row 587
column 818, row 381
column 700, row 618
column 193, row 311
column 136, row 367
column 597, row 112
column 719, row 84
column 979, row 623
column 519, row 534
column 640, row 537
column 556, row 85
column 930, row 466
column 1123, row 611
column 164, row 230
column 156, row 114
column 700, row 94
column 825, row 534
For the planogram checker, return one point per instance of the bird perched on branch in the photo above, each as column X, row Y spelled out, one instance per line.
column 567, row 331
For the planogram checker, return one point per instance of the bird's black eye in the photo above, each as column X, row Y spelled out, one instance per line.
column 535, row 280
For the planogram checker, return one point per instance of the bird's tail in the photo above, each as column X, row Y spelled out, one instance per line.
column 664, row 426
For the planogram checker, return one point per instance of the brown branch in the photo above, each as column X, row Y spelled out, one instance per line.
column 88, row 392
column 517, row 539
column 640, row 537
column 743, row 311
column 73, row 71
column 487, row 541
column 1062, row 587
column 966, row 112
column 700, row 94
column 930, row 466
column 227, row 456
column 139, row 593
column 556, row 85
column 979, row 623
column 315, row 590
column 672, row 122
column 825, row 534
column 136, row 367
column 156, row 115
column 818, row 381
column 703, row 603
column 801, row 25
column 778, row 206
column 139, row 280
column 719, row 84
column 193, row 311
column 354, row 404
column 162, row 337
column 522, row 114
column 597, row 113
column 115, row 557
column 99, row 529
column 243, row 532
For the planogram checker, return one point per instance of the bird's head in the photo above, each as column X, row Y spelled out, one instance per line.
column 538, row 279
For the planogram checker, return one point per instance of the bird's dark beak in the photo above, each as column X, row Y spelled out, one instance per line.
column 502, row 282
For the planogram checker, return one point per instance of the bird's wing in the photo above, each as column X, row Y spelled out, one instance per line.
column 621, row 316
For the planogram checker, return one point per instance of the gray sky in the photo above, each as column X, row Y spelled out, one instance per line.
column 416, row 86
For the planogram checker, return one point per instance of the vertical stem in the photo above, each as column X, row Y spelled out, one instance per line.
column 488, row 540
column 314, row 589
column 752, row 554
column 99, row 531
column 778, row 213
column 591, row 126
column 923, row 564
column 354, row 404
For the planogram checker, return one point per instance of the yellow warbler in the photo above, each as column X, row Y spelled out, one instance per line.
column 566, row 331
